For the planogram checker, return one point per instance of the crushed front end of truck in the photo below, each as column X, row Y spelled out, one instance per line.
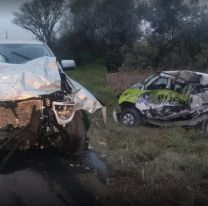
column 41, row 106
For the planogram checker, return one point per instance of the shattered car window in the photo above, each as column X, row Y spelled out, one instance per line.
column 22, row 53
column 150, row 78
column 160, row 83
column 180, row 87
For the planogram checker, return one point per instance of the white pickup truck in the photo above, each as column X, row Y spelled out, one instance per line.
column 40, row 105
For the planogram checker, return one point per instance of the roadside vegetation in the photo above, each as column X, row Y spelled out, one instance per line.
column 134, row 35
column 147, row 165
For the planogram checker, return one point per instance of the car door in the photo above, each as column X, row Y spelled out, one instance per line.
column 159, row 93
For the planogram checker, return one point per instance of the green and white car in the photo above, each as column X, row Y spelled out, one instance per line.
column 164, row 99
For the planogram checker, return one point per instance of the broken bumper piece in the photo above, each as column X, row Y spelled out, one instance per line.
column 116, row 114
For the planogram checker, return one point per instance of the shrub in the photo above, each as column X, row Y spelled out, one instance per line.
column 141, row 56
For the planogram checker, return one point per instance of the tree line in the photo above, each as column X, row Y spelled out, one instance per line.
column 127, row 34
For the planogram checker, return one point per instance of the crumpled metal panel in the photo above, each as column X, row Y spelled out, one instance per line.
column 41, row 77
column 189, row 76
column 22, row 81
column 203, row 78
column 186, row 75
column 84, row 99
column 198, row 100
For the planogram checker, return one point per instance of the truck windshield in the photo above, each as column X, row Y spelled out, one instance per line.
column 22, row 53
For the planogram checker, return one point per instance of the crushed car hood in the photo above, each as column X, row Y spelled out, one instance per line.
column 22, row 81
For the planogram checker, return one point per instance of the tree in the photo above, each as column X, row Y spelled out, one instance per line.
column 158, row 33
column 79, row 30
column 99, row 29
column 39, row 17
column 178, row 34
column 167, row 17
column 117, row 27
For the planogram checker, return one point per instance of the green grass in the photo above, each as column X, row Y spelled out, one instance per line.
column 147, row 165
column 93, row 77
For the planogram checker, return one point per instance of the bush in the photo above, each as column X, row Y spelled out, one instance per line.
column 175, row 57
column 159, row 55
column 114, row 60
column 141, row 56
column 202, row 59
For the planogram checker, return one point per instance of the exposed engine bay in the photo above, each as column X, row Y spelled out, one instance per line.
column 41, row 106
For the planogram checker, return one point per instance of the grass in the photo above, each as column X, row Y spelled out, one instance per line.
column 93, row 77
column 148, row 165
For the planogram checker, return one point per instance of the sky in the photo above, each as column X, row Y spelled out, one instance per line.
column 7, row 7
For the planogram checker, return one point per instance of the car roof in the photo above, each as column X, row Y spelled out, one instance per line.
column 188, row 76
column 7, row 41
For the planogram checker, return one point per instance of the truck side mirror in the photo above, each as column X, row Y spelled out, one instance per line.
column 68, row 64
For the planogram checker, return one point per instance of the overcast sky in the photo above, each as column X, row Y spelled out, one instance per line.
column 7, row 7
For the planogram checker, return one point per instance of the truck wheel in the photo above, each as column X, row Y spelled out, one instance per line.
column 130, row 117
column 74, row 135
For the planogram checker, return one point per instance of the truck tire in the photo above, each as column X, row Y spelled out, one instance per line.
column 130, row 117
column 74, row 135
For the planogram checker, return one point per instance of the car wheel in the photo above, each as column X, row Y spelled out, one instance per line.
column 130, row 117
column 74, row 136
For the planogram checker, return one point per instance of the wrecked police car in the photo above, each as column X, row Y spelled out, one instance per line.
column 40, row 105
column 166, row 99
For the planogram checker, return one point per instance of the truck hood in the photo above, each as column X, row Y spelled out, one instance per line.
column 41, row 77
column 32, row 79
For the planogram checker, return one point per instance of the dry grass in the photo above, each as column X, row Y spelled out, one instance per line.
column 157, row 165
column 98, row 134
column 150, row 165
column 122, row 80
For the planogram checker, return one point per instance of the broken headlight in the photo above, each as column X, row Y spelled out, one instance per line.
column 64, row 112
